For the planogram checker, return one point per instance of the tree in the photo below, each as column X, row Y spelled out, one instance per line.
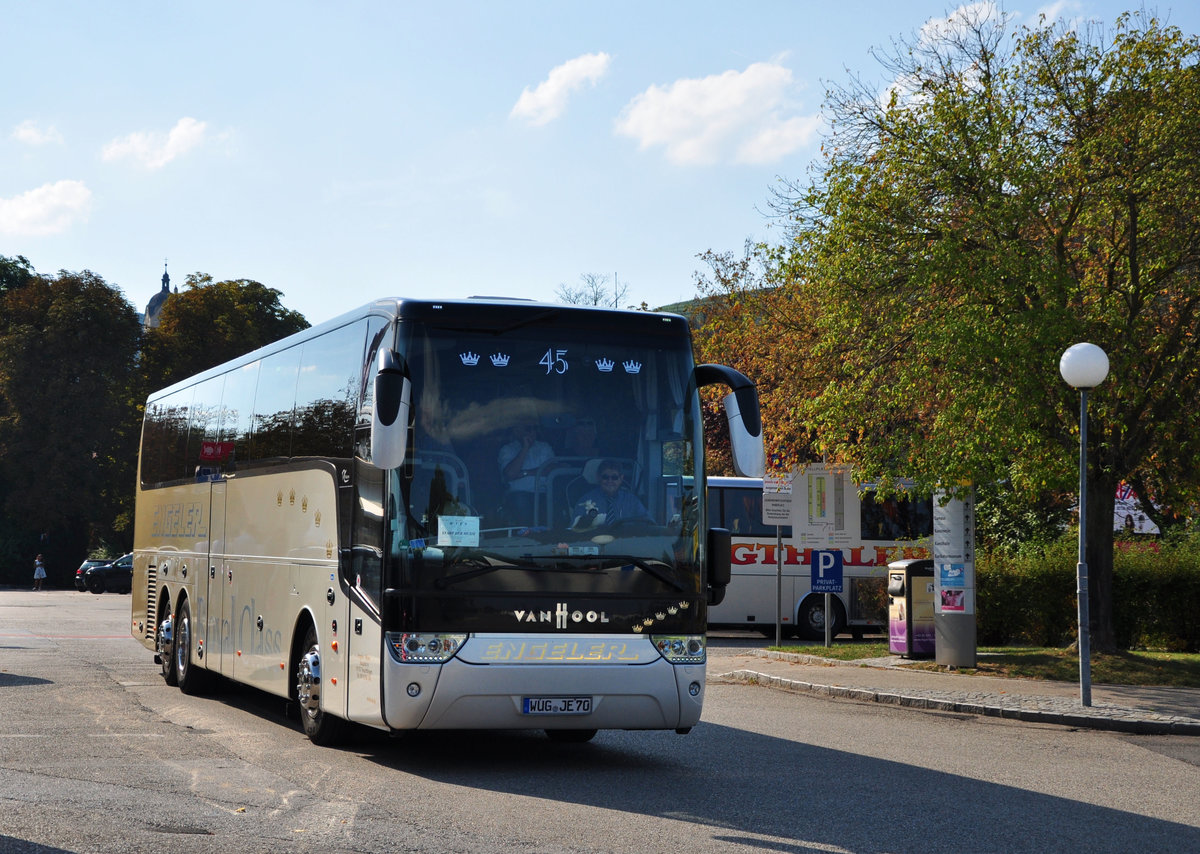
column 68, row 445
column 212, row 322
column 594, row 290
column 1015, row 192
column 14, row 273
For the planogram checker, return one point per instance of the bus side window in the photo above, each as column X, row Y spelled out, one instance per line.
column 896, row 518
column 327, row 393
column 742, row 514
column 715, row 496
column 743, row 511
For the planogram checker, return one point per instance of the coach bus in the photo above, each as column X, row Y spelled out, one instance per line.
column 335, row 519
column 868, row 532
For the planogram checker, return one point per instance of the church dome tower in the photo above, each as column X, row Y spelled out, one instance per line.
column 155, row 306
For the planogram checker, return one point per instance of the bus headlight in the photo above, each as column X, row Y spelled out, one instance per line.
column 681, row 649
column 425, row 647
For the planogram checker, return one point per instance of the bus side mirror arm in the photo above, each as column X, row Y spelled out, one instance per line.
column 720, row 568
column 742, row 416
column 390, row 414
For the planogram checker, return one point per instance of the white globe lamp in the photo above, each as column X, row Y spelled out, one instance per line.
column 1084, row 366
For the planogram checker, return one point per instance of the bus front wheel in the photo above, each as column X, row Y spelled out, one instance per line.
column 810, row 617
column 321, row 728
column 191, row 677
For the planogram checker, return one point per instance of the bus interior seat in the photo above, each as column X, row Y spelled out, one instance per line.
column 427, row 468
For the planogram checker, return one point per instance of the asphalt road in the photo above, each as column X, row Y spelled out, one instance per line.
column 98, row 755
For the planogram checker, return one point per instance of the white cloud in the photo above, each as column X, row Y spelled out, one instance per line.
column 957, row 25
column 548, row 101
column 748, row 116
column 156, row 150
column 49, row 209
column 959, row 21
column 30, row 133
column 1065, row 10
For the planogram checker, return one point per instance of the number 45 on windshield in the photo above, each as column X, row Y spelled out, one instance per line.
column 555, row 360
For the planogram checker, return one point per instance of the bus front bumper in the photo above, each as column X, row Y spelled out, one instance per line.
column 465, row 694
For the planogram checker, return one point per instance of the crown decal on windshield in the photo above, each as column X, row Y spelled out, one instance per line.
column 469, row 358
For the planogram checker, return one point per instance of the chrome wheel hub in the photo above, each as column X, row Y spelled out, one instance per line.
column 308, row 682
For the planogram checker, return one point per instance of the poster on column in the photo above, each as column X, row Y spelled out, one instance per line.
column 952, row 588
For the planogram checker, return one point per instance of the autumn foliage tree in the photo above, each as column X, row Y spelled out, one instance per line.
column 1013, row 192
column 75, row 368
column 68, row 446
column 210, row 322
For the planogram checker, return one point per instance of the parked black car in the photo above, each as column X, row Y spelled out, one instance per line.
column 80, row 585
column 116, row 576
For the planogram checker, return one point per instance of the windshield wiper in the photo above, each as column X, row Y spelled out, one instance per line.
column 487, row 563
column 657, row 568
column 481, row 565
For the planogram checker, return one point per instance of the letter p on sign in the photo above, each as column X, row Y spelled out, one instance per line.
column 827, row 571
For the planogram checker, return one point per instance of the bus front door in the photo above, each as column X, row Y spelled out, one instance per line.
column 215, row 621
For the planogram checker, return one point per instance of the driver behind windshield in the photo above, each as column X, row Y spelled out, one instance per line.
column 609, row 502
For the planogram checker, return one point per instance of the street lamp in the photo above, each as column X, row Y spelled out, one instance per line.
column 1083, row 366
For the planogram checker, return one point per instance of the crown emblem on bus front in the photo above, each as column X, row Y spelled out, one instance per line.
column 631, row 367
column 469, row 358
column 605, row 365
column 500, row 360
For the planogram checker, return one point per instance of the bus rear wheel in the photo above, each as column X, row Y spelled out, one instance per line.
column 165, row 645
column 810, row 617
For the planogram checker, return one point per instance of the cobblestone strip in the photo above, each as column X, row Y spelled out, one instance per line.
column 1052, row 710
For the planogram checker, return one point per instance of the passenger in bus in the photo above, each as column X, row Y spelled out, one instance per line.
column 581, row 440
column 608, row 502
column 519, row 461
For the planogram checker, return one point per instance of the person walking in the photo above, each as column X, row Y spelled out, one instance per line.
column 39, row 573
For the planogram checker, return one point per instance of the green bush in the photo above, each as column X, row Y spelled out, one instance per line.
column 1028, row 597
column 1157, row 595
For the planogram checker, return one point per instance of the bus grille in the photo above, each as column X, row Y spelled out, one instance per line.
column 151, row 603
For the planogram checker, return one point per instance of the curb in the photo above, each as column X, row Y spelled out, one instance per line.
column 1112, row 718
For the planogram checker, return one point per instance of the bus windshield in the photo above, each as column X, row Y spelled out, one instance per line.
column 548, row 461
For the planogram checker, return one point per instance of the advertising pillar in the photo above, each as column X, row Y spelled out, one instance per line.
column 954, row 577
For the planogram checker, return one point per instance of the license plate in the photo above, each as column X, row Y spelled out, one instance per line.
column 556, row 705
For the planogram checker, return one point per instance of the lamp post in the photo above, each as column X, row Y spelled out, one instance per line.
column 1083, row 366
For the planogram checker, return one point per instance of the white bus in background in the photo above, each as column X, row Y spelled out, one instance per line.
column 326, row 519
column 869, row 534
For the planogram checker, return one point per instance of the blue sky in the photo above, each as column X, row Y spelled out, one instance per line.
column 342, row 152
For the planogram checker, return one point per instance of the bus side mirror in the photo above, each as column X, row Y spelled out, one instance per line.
column 742, row 416
column 389, row 418
column 749, row 459
column 720, row 568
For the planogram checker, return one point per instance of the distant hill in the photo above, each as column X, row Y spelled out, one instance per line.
column 691, row 309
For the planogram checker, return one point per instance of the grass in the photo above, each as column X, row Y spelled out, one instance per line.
column 1139, row 667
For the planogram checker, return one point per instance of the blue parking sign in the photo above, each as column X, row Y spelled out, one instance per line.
column 827, row 571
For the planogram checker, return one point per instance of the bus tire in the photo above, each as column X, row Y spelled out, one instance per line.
column 192, row 678
column 166, row 650
column 321, row 727
column 810, row 617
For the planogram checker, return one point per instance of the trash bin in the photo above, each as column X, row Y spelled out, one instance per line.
column 910, row 608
